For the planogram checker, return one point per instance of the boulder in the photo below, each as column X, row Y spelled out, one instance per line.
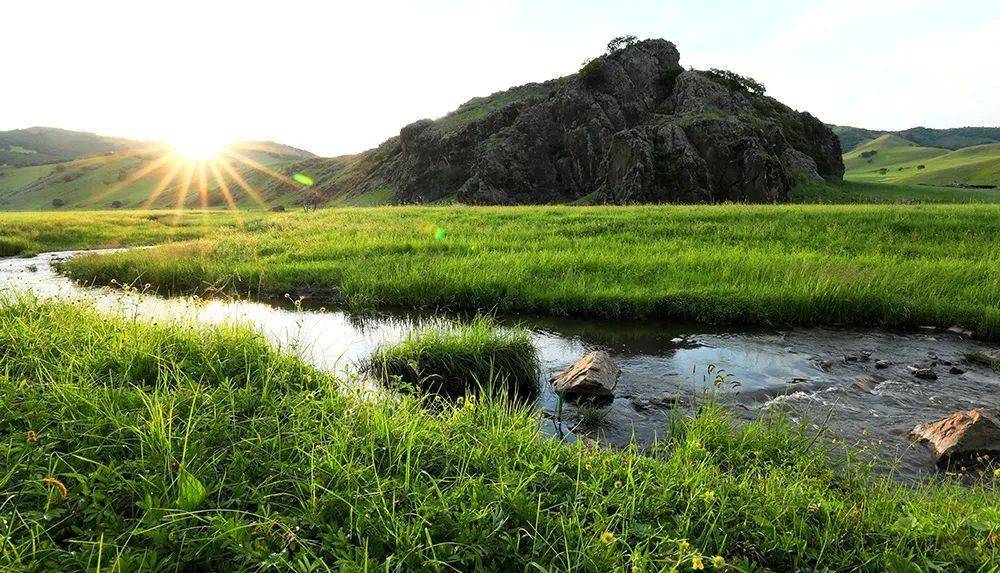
column 596, row 374
column 961, row 435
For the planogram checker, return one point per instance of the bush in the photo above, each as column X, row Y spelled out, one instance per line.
column 736, row 82
column 117, row 204
column 57, row 202
column 592, row 73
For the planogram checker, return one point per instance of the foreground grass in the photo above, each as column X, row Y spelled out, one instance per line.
column 134, row 447
column 793, row 264
column 455, row 358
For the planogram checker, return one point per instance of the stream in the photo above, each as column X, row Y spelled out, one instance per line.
column 854, row 380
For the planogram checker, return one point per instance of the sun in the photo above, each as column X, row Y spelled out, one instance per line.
column 198, row 149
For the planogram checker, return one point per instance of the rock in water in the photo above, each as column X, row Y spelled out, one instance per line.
column 596, row 374
column 961, row 435
column 633, row 126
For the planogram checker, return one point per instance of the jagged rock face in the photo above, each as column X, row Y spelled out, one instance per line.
column 632, row 127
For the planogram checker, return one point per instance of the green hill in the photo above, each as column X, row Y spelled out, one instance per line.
column 954, row 138
column 892, row 159
column 152, row 178
column 41, row 145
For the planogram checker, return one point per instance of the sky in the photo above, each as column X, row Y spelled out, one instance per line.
column 340, row 77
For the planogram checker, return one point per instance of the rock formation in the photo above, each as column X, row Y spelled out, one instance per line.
column 632, row 127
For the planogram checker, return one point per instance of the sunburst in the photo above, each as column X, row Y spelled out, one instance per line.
column 201, row 169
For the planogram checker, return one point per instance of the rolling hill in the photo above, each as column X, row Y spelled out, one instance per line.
column 132, row 179
column 41, row 145
column 953, row 138
column 892, row 159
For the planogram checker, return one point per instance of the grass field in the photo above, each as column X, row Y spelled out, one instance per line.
column 130, row 446
column 30, row 233
column 905, row 162
column 794, row 264
column 871, row 192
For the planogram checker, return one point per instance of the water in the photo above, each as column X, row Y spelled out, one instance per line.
column 811, row 373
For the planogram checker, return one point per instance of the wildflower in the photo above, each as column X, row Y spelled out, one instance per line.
column 718, row 561
column 607, row 538
column 685, row 545
column 996, row 473
column 618, row 484
column 32, row 437
column 709, row 495
column 994, row 538
column 696, row 563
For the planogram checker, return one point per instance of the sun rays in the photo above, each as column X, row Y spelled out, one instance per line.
column 185, row 179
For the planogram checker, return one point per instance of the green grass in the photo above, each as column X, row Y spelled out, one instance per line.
column 31, row 233
column 869, row 192
column 456, row 358
column 901, row 159
column 136, row 447
column 732, row 264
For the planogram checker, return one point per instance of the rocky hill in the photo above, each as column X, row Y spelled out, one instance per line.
column 632, row 126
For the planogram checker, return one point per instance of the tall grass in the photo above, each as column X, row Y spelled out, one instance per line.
column 136, row 447
column 457, row 358
column 792, row 264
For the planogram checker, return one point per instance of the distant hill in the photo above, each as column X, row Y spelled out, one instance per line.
column 41, row 145
column 893, row 159
column 143, row 177
column 955, row 138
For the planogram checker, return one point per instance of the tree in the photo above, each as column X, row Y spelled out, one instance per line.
column 620, row 43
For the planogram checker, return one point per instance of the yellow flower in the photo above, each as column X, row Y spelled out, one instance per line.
column 709, row 495
column 697, row 563
column 718, row 561
column 996, row 473
column 618, row 484
column 607, row 537
column 685, row 545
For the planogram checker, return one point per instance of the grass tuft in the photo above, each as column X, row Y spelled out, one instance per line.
column 455, row 358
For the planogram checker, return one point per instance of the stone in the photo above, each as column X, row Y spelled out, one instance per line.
column 962, row 435
column 923, row 373
column 956, row 370
column 596, row 374
column 881, row 364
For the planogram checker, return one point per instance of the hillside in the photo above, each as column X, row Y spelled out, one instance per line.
column 955, row 138
column 151, row 178
column 41, row 145
column 892, row 159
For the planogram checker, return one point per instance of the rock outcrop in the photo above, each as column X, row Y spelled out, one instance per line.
column 962, row 435
column 632, row 127
column 596, row 374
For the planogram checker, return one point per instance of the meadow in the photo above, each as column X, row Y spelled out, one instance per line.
column 133, row 446
column 891, row 265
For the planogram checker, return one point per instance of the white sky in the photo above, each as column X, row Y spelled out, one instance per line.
column 337, row 77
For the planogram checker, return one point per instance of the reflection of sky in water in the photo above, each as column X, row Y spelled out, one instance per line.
column 659, row 360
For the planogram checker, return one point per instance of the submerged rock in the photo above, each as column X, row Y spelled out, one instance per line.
column 596, row 374
column 923, row 372
column 961, row 435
